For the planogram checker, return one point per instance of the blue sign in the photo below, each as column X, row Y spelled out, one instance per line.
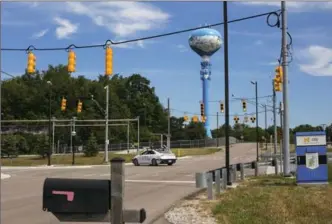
column 311, row 155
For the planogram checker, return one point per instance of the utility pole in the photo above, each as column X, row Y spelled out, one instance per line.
column 49, row 124
column 128, row 142
column 274, row 128
column 106, row 124
column 257, row 133
column 226, row 92
column 169, row 124
column 217, row 130
column 285, row 89
column 266, row 138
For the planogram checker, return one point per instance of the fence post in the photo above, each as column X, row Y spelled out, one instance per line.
column 242, row 171
column 209, row 186
column 224, row 178
column 217, row 178
column 117, row 190
column 201, row 180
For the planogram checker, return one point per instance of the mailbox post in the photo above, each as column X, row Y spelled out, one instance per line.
column 311, row 158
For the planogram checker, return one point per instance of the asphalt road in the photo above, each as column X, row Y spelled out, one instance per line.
column 152, row 188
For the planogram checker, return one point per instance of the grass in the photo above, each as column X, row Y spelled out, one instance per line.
column 274, row 200
column 98, row 160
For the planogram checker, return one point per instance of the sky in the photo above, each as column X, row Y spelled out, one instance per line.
column 169, row 63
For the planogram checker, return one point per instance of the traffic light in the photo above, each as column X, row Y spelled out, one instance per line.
column 31, row 68
column 279, row 74
column 195, row 119
column 79, row 106
column 244, row 105
column 203, row 119
column 202, row 109
column 63, row 104
column 222, row 107
column 71, row 61
column 185, row 118
column 277, row 85
column 236, row 119
column 253, row 119
column 108, row 61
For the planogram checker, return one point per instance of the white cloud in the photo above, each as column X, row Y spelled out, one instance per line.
column 121, row 18
column 319, row 61
column 182, row 48
column 294, row 6
column 40, row 34
column 65, row 28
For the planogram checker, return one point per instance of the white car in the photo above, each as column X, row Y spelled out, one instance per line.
column 154, row 158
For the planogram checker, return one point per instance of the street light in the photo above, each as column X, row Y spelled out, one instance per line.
column 49, row 125
column 257, row 134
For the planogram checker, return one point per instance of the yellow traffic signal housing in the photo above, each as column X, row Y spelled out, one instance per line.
column 108, row 61
column 277, row 86
column 279, row 74
column 31, row 68
column 244, row 106
column 185, row 118
column 222, row 107
column 71, row 61
column 79, row 106
column 202, row 109
column 63, row 104
column 195, row 119
column 236, row 119
column 203, row 119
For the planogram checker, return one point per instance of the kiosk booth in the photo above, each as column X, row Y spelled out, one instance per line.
column 311, row 158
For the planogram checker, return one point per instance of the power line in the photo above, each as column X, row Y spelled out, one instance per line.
column 214, row 115
column 6, row 73
column 110, row 42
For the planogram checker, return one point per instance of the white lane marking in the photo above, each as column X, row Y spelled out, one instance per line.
column 161, row 181
column 4, row 176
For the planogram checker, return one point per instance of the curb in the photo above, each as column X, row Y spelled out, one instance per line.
column 177, row 202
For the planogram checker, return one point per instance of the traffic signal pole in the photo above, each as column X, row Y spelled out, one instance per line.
column 106, row 124
column 274, row 128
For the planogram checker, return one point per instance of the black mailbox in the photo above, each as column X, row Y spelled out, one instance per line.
column 80, row 196
column 253, row 165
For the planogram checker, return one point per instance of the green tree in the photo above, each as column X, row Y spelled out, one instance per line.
column 91, row 149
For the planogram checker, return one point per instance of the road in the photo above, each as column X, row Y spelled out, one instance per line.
column 152, row 188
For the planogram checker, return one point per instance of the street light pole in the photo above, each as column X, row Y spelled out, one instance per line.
column 106, row 124
column 49, row 125
column 257, row 134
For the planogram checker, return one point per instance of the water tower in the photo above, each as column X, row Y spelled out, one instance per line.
column 205, row 42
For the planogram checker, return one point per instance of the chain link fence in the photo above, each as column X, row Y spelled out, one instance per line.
column 199, row 143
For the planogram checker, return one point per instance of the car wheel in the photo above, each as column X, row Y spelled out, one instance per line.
column 135, row 162
column 170, row 164
column 154, row 162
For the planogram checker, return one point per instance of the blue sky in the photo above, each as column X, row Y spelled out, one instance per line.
column 169, row 63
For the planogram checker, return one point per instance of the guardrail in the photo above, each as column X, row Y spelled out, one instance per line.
column 88, row 200
column 219, row 176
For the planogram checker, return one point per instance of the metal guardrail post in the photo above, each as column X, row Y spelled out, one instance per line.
column 234, row 173
column 217, row 181
column 200, row 180
column 242, row 171
column 256, row 168
column 224, row 178
column 209, row 186
column 117, row 190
